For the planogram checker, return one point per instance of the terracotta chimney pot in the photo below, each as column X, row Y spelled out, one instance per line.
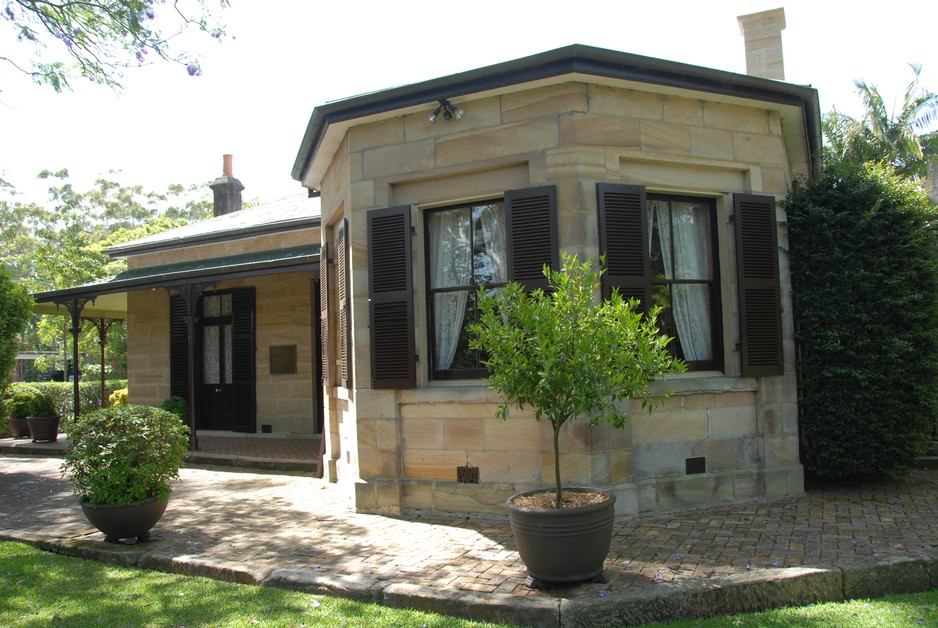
column 227, row 190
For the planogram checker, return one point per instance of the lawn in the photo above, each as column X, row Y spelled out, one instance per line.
column 39, row 588
column 43, row 589
column 914, row 610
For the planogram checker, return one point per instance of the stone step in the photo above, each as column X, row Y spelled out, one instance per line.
column 927, row 463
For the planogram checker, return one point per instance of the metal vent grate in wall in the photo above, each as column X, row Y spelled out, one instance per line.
column 695, row 465
column 467, row 475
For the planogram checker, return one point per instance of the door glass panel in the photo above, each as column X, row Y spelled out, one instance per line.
column 226, row 330
column 211, row 307
column 210, row 355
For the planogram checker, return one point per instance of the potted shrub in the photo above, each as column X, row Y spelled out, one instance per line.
column 17, row 405
column 43, row 419
column 120, row 463
column 563, row 355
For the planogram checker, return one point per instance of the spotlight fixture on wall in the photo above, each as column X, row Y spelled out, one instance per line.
column 448, row 109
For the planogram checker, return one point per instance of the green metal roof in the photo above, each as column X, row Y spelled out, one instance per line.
column 292, row 259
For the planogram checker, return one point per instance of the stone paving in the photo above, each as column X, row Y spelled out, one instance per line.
column 266, row 522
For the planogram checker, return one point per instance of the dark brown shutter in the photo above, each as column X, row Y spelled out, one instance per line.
column 342, row 279
column 243, row 358
column 623, row 240
column 390, row 283
column 178, row 348
column 760, row 317
column 531, row 215
column 324, row 313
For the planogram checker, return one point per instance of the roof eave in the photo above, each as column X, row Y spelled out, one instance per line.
column 575, row 59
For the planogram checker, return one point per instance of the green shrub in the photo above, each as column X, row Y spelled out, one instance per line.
column 124, row 454
column 865, row 283
column 178, row 406
column 41, row 405
column 18, row 399
column 89, row 393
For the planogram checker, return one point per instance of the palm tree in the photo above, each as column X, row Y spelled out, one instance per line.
column 879, row 136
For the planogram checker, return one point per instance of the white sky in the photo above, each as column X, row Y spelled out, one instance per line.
column 258, row 90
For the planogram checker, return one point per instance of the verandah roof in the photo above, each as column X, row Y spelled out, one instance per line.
column 110, row 295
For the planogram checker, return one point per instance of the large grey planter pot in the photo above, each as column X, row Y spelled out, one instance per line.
column 565, row 544
column 125, row 521
column 45, row 429
column 20, row 427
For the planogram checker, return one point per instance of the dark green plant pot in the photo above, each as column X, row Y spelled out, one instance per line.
column 563, row 544
column 124, row 521
column 44, row 429
column 20, row 427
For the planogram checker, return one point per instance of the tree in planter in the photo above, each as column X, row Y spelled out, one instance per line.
column 560, row 353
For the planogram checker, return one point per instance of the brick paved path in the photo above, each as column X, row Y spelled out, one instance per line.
column 281, row 521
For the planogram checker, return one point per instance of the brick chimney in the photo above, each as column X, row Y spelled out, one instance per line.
column 227, row 190
column 763, row 35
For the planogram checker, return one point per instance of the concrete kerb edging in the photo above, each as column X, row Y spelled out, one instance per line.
column 690, row 599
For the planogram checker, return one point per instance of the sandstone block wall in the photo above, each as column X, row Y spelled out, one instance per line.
column 283, row 316
column 572, row 135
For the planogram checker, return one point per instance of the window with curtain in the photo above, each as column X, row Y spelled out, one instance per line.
column 466, row 249
column 684, row 277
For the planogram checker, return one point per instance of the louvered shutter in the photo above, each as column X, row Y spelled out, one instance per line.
column 390, row 283
column 178, row 348
column 760, row 318
column 324, row 314
column 243, row 358
column 531, row 216
column 342, row 279
column 623, row 240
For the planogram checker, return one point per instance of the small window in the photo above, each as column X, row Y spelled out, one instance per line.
column 685, row 277
column 466, row 249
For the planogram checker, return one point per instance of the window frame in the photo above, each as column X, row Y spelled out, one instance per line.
column 714, row 283
column 451, row 374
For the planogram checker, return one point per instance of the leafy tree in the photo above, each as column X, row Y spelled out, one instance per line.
column 60, row 243
column 865, row 279
column 99, row 39
column 564, row 356
column 16, row 308
column 883, row 136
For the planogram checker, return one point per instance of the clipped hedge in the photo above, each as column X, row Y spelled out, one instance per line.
column 865, row 282
column 89, row 393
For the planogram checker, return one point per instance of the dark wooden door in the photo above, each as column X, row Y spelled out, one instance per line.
column 217, row 364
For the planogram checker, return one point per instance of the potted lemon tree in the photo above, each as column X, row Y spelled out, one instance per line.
column 120, row 463
column 564, row 355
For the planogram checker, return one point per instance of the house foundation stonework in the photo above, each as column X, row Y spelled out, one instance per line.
column 579, row 150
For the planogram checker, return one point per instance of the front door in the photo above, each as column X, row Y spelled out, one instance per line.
column 217, row 389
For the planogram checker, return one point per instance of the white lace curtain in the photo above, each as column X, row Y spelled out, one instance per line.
column 683, row 234
column 467, row 247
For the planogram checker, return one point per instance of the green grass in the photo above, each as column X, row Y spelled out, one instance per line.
column 913, row 610
column 42, row 589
